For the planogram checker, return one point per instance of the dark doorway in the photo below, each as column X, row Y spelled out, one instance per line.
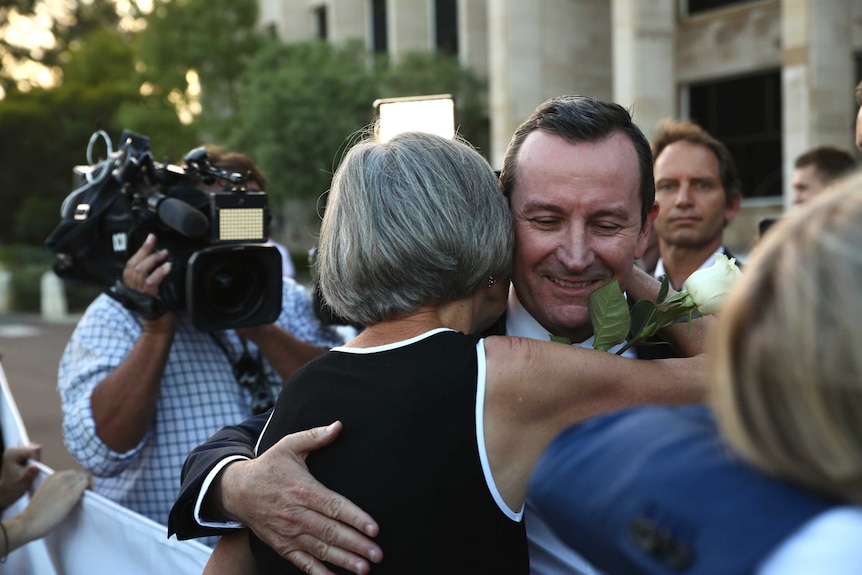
column 321, row 23
column 380, row 41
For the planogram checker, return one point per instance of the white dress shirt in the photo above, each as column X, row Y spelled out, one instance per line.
column 708, row 263
column 548, row 554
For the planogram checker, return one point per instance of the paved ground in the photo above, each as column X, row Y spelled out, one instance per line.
column 30, row 351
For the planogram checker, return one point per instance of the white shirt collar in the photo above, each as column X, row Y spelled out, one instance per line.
column 708, row 263
column 520, row 323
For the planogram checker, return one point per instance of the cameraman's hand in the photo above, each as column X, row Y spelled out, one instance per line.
column 146, row 269
column 144, row 272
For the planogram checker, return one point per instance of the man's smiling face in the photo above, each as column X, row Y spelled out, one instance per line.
column 577, row 214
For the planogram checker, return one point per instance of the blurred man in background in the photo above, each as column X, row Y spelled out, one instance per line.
column 818, row 168
column 699, row 193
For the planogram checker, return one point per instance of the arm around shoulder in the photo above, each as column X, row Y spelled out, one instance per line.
column 233, row 441
column 277, row 498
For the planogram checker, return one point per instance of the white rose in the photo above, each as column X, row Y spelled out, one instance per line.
column 708, row 287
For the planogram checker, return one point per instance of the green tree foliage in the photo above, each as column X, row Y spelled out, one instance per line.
column 301, row 102
column 13, row 53
column 102, row 56
column 105, row 57
column 212, row 38
column 215, row 38
column 46, row 132
column 71, row 22
column 151, row 117
column 304, row 101
column 45, row 136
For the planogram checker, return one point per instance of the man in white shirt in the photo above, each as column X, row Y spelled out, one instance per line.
column 699, row 193
column 578, row 177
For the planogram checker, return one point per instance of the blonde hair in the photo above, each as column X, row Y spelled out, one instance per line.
column 786, row 382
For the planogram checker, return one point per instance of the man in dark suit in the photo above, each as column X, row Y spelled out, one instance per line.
column 698, row 192
column 578, row 176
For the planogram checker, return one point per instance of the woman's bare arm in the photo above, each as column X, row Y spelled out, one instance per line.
column 535, row 389
column 232, row 556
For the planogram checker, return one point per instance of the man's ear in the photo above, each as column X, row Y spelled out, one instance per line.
column 731, row 208
column 646, row 229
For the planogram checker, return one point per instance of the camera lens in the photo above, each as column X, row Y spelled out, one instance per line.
column 233, row 286
column 230, row 287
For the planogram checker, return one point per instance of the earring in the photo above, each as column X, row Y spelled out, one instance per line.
column 491, row 281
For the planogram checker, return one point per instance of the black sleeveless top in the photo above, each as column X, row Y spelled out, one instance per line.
column 408, row 455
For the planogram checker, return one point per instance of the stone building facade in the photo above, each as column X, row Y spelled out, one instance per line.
column 771, row 78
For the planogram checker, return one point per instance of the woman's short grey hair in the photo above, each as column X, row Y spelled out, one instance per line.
column 419, row 220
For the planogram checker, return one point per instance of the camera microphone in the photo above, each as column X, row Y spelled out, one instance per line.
column 180, row 216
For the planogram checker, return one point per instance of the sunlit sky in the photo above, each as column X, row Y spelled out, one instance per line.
column 34, row 32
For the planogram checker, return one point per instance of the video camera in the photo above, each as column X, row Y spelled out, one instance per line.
column 222, row 272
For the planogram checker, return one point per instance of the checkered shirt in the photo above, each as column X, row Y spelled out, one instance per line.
column 198, row 396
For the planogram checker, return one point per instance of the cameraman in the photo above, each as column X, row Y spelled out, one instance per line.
column 138, row 393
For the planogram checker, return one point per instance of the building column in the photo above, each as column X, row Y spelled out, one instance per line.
column 290, row 19
column 817, row 86
column 542, row 49
column 514, row 83
column 408, row 24
column 348, row 20
column 473, row 35
column 643, row 60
